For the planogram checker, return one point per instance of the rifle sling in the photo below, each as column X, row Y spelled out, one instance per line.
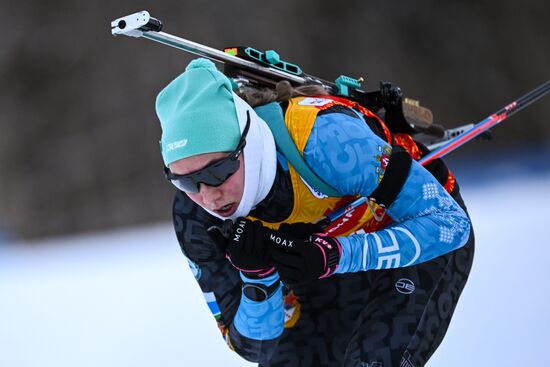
column 272, row 114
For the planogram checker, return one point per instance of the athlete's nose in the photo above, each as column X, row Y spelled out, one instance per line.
column 211, row 196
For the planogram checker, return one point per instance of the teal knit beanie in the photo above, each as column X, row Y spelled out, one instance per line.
column 197, row 113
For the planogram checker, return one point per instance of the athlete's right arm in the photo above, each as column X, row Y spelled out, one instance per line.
column 250, row 328
column 427, row 221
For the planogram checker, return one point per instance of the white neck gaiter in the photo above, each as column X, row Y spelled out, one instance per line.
column 260, row 160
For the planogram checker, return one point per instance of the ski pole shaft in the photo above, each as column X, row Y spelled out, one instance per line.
column 487, row 123
column 339, row 212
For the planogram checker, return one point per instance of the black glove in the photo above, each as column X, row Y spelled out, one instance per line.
column 301, row 260
column 300, row 230
column 220, row 235
column 245, row 246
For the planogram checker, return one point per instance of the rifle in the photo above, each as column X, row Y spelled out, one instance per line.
column 248, row 66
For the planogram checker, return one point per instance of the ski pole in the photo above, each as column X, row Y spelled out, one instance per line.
column 487, row 123
column 456, row 142
column 339, row 212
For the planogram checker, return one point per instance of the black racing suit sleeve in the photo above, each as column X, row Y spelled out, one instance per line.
column 216, row 276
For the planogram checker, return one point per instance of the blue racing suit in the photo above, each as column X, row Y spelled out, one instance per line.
column 427, row 224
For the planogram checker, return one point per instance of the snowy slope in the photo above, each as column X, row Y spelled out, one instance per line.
column 502, row 318
column 127, row 298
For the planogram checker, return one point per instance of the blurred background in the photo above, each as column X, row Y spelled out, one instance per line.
column 79, row 135
column 85, row 211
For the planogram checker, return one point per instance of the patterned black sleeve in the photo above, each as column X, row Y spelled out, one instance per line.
column 218, row 280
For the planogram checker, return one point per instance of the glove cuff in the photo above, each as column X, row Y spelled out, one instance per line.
column 332, row 251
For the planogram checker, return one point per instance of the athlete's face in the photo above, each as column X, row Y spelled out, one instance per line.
column 224, row 199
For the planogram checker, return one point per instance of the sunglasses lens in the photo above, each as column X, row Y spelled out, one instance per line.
column 185, row 185
column 213, row 175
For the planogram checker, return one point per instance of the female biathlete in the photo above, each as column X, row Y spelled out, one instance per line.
column 377, row 287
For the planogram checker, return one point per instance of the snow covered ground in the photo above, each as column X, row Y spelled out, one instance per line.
column 127, row 298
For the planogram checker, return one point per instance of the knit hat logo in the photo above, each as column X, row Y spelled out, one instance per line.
column 175, row 145
column 197, row 113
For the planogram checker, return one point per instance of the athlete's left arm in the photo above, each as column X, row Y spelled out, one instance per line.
column 428, row 222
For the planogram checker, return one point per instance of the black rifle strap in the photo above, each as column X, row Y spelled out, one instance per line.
column 394, row 178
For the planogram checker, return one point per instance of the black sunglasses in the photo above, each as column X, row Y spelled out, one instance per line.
column 215, row 173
